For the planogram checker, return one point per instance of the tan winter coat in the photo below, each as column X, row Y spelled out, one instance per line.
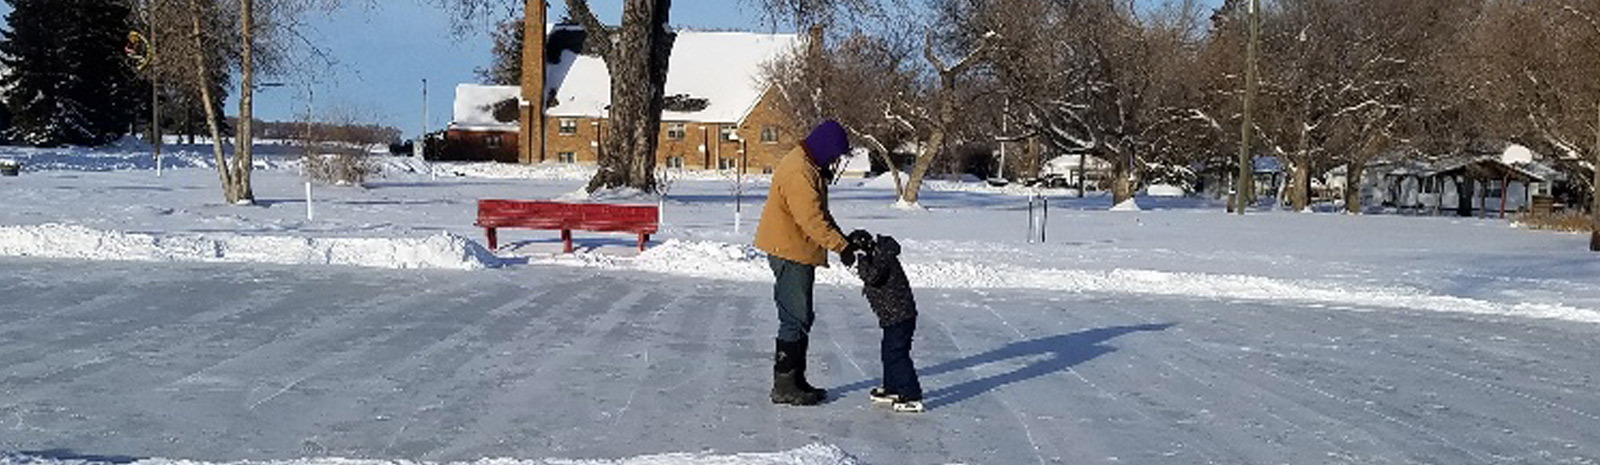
column 795, row 224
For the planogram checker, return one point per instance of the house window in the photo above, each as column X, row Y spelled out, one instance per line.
column 728, row 134
column 766, row 169
column 567, row 157
column 769, row 134
column 492, row 141
column 727, row 164
column 568, row 126
column 676, row 131
column 675, row 162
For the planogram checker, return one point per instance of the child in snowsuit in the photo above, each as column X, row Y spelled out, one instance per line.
column 888, row 292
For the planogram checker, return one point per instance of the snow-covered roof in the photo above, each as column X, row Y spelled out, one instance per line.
column 1069, row 163
column 475, row 105
column 1267, row 165
column 722, row 67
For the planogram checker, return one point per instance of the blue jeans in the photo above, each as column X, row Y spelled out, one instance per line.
column 899, row 374
column 792, row 291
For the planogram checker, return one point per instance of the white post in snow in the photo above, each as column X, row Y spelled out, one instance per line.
column 309, row 215
column 1005, row 129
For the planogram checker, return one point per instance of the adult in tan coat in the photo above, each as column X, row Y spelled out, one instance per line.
column 797, row 232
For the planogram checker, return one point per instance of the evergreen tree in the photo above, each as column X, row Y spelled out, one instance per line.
column 70, row 81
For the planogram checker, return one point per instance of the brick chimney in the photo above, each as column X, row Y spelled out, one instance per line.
column 531, row 144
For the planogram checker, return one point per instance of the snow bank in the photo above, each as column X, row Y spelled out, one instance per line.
column 739, row 262
column 440, row 251
column 135, row 156
column 544, row 171
column 886, row 181
column 815, row 454
column 1129, row 205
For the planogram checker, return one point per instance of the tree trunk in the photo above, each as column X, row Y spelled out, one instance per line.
column 1083, row 171
column 1300, row 192
column 1352, row 186
column 920, row 170
column 1300, row 164
column 204, row 72
column 1121, row 180
column 244, row 138
column 637, row 58
column 1594, row 191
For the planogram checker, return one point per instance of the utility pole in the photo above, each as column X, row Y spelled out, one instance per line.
column 1245, row 189
column 420, row 148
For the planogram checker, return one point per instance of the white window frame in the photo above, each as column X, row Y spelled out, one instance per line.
column 567, row 126
column 729, row 133
column 569, row 158
column 493, row 141
column 677, row 131
column 769, row 134
column 675, row 162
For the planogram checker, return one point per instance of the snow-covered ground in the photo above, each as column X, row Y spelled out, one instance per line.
column 1169, row 333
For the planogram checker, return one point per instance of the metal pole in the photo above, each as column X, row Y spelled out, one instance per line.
column 1243, row 194
column 309, row 215
column 422, row 138
column 1005, row 128
column 155, row 85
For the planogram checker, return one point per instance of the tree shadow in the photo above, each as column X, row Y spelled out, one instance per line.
column 69, row 455
column 1060, row 352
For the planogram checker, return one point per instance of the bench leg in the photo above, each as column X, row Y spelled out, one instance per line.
column 494, row 240
column 643, row 238
column 566, row 241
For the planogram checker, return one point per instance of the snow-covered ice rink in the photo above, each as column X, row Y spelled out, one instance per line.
column 166, row 326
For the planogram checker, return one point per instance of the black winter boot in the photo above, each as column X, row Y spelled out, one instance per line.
column 804, row 346
column 785, row 377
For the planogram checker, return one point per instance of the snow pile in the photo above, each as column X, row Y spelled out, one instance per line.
column 613, row 195
column 440, row 251
column 1164, row 190
column 814, row 454
column 740, row 262
column 886, row 181
column 715, row 260
column 548, row 171
column 1129, row 205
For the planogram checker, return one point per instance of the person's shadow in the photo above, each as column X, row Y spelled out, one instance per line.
column 1059, row 352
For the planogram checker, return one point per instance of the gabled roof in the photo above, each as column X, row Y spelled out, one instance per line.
column 475, row 107
column 724, row 68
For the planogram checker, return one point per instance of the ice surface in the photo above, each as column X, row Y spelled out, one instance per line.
column 1175, row 334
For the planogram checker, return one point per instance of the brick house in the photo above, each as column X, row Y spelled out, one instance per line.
column 719, row 115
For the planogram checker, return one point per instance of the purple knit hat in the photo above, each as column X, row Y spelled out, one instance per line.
column 827, row 143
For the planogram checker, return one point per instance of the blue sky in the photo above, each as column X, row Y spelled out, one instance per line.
column 383, row 49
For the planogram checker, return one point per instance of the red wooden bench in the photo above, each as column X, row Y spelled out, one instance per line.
column 566, row 217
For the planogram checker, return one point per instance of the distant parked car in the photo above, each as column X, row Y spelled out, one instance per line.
column 1050, row 180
